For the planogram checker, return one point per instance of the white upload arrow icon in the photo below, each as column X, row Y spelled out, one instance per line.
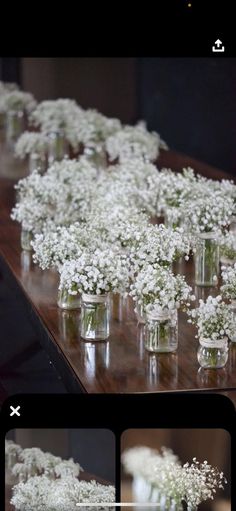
column 218, row 46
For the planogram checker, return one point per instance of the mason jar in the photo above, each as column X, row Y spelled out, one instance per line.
column 26, row 238
column 233, row 309
column 57, row 146
column 207, row 259
column 15, row 125
column 95, row 317
column 37, row 162
column 68, row 301
column 212, row 354
column 161, row 331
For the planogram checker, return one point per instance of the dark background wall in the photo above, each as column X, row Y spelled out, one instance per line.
column 191, row 102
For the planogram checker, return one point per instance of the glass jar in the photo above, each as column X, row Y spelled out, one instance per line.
column 37, row 162
column 161, row 332
column 68, row 301
column 233, row 309
column 232, row 226
column 207, row 259
column 57, row 146
column 14, row 125
column 173, row 218
column 141, row 489
column 97, row 156
column 26, row 238
column 212, row 354
column 95, row 317
column 69, row 327
column 140, row 314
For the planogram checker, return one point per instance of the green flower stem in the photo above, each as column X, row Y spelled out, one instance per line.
column 213, row 357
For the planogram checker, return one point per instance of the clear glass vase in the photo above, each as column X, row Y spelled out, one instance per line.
column 37, row 162
column 14, row 125
column 67, row 301
column 233, row 309
column 140, row 314
column 207, row 259
column 57, row 146
column 97, row 156
column 232, row 226
column 95, row 317
column 26, row 238
column 161, row 332
column 212, row 354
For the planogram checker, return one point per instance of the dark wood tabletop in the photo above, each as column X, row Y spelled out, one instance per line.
column 121, row 364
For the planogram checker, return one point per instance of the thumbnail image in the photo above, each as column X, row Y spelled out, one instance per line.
column 176, row 469
column 59, row 469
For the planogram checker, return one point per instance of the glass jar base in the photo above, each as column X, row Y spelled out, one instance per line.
column 162, row 350
column 94, row 339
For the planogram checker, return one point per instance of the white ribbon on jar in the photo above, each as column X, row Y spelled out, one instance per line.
column 94, row 298
column 163, row 315
column 214, row 343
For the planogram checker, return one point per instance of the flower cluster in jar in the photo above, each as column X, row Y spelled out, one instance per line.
column 16, row 100
column 63, row 494
column 229, row 282
column 227, row 243
column 31, row 142
column 157, row 289
column 62, row 195
column 96, row 272
column 134, row 142
column 168, row 481
column 159, row 246
column 213, row 318
column 48, row 482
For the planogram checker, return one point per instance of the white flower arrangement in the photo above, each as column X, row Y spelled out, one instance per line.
column 40, row 493
column 209, row 212
column 213, row 318
column 174, row 188
column 157, row 289
column 95, row 272
column 133, row 141
column 62, row 195
column 227, row 242
column 94, row 128
column 33, row 462
column 138, row 460
column 229, row 282
column 17, row 100
column 31, row 142
column 159, row 246
column 12, row 452
column 54, row 247
column 168, row 482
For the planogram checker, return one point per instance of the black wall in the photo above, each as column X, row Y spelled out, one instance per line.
column 191, row 102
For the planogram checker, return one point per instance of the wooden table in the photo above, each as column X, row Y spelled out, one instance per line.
column 120, row 365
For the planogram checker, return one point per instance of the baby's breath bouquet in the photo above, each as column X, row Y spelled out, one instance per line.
column 227, row 242
column 160, row 477
column 158, row 294
column 40, row 493
column 159, row 246
column 229, row 282
column 215, row 324
column 94, row 274
column 132, row 142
